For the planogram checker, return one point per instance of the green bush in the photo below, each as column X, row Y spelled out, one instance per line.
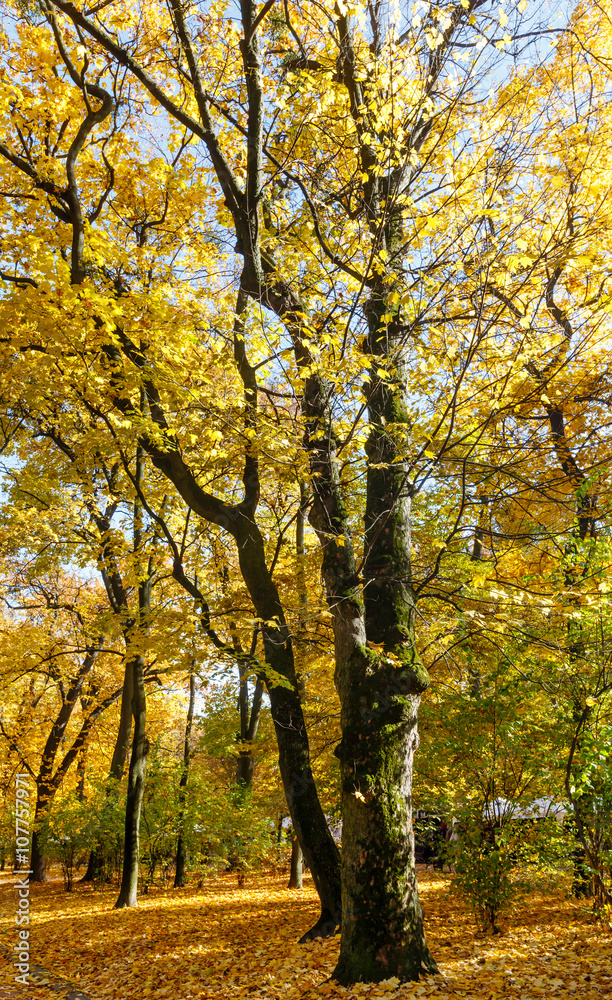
column 226, row 830
column 72, row 828
column 496, row 867
column 485, row 875
column 66, row 834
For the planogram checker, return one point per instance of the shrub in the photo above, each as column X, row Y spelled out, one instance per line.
column 485, row 875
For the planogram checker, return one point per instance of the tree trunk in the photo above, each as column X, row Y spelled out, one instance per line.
column 295, row 877
column 80, row 789
column 122, row 743
column 48, row 782
column 297, row 857
column 245, row 764
column 90, row 871
column 136, row 780
column 379, row 676
column 307, row 816
column 309, row 822
column 249, row 724
column 44, row 798
column 39, row 862
column 179, row 877
column 380, row 689
column 245, row 768
column 238, row 520
column 95, row 862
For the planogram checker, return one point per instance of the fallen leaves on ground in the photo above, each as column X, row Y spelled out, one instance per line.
column 221, row 941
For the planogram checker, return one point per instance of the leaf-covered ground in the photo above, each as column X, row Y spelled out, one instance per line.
column 222, row 941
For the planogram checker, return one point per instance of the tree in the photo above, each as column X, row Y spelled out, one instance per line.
column 365, row 207
column 61, row 671
column 293, row 745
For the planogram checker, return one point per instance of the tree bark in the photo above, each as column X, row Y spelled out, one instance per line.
column 140, row 745
column 295, row 876
column 179, row 877
column 136, row 781
column 39, row 861
column 379, row 676
column 249, row 724
column 122, row 743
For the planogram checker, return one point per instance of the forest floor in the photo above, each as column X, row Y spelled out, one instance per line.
column 224, row 942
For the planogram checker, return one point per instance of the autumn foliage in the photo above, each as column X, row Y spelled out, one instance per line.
column 306, row 356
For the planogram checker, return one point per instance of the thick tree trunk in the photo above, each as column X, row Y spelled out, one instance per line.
column 136, row 781
column 382, row 927
column 382, row 932
column 245, row 768
column 92, row 861
column 378, row 673
column 45, row 794
column 295, row 876
column 39, row 862
column 179, row 877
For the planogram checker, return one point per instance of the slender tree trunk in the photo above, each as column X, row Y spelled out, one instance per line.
column 95, row 862
column 245, row 764
column 140, row 745
column 80, row 789
column 297, row 856
column 249, row 724
column 48, row 781
column 295, row 877
column 136, row 781
column 320, row 851
column 179, row 878
column 302, row 591
column 309, row 821
column 124, row 732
